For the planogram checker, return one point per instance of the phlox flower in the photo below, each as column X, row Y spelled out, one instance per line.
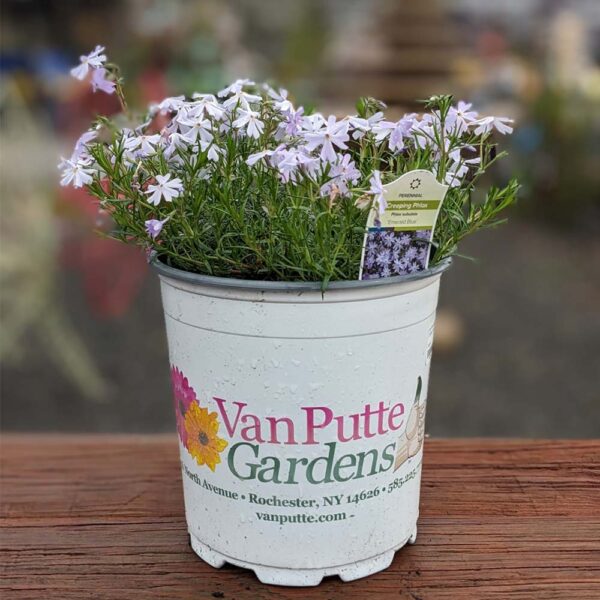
column 99, row 82
column 154, row 227
column 168, row 105
column 500, row 124
column 394, row 132
column 423, row 133
column 94, row 60
column 212, row 150
column 80, row 148
column 249, row 119
column 363, row 126
column 145, row 145
column 175, row 141
column 195, row 128
column 346, row 169
column 254, row 158
column 208, row 104
column 235, row 88
column 334, row 133
column 378, row 192
column 313, row 123
column 76, row 172
column 460, row 117
column 292, row 124
column 309, row 164
column 165, row 187
column 288, row 162
column 342, row 173
column 458, row 170
column 282, row 104
column 242, row 100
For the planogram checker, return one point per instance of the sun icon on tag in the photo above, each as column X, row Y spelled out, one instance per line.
column 415, row 183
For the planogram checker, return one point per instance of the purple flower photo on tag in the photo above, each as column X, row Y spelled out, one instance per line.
column 389, row 252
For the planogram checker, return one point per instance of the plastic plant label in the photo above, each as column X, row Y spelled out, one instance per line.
column 398, row 242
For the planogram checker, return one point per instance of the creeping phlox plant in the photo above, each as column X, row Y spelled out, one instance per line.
column 246, row 184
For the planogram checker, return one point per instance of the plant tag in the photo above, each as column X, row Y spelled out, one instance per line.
column 398, row 242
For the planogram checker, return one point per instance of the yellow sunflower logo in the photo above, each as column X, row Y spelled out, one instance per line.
column 203, row 443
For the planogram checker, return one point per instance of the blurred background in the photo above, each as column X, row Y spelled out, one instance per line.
column 517, row 349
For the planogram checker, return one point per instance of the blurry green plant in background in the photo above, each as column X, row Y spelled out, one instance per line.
column 557, row 157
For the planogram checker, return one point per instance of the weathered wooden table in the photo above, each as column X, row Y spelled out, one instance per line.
column 102, row 517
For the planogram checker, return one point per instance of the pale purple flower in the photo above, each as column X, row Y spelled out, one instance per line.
column 310, row 164
column 424, row 130
column 242, row 100
column 249, row 119
column 460, row 117
column 94, row 60
column 80, row 148
column 293, row 121
column 145, row 145
column 212, row 150
column 168, row 105
column 343, row 172
column 235, row 88
column 346, row 169
column 334, row 133
column 378, row 192
column 254, row 158
column 500, row 124
column 165, row 187
column 195, row 128
column 287, row 164
column 383, row 129
column 175, row 141
column 313, row 123
column 458, row 170
column 394, row 132
column 363, row 126
column 282, row 104
column 154, row 227
column 76, row 172
column 99, row 82
column 208, row 104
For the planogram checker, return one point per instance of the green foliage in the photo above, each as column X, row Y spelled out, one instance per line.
column 239, row 220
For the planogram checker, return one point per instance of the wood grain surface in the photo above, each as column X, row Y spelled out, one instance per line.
column 102, row 517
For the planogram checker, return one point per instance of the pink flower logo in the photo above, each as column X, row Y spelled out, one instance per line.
column 183, row 396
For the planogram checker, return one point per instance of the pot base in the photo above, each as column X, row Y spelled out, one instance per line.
column 302, row 577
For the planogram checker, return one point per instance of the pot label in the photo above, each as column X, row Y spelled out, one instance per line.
column 323, row 448
column 240, row 436
column 398, row 242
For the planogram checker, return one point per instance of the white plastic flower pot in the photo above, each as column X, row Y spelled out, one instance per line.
column 301, row 419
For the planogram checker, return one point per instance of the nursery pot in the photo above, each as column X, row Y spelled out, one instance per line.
column 301, row 419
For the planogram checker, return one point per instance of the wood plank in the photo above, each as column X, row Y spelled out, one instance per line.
column 102, row 517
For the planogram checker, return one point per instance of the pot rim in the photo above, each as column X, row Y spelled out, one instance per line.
column 291, row 286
